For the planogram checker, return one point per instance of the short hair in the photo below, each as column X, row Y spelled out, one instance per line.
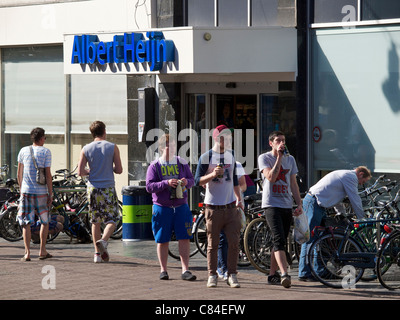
column 97, row 128
column 37, row 134
column 163, row 140
column 274, row 134
column 366, row 172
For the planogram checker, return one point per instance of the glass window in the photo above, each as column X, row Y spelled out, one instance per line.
column 99, row 97
column 335, row 11
column 278, row 112
column 33, row 89
column 232, row 13
column 264, row 13
column 355, row 98
column 382, row 9
column 201, row 13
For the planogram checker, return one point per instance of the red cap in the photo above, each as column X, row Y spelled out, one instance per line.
column 218, row 130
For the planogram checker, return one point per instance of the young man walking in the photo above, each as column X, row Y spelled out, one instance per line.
column 104, row 160
column 216, row 172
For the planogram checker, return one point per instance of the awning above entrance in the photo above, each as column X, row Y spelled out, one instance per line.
column 185, row 52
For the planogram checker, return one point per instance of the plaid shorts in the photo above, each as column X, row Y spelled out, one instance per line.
column 31, row 204
column 103, row 204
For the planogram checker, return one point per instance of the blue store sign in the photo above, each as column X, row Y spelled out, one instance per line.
column 130, row 47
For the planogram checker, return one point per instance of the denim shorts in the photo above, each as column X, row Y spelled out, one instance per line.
column 165, row 220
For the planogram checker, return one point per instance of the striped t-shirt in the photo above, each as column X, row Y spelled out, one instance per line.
column 43, row 159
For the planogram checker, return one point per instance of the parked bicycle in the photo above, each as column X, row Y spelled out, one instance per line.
column 388, row 259
column 10, row 228
column 344, row 253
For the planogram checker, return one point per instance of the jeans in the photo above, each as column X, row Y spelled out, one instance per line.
column 222, row 253
column 315, row 215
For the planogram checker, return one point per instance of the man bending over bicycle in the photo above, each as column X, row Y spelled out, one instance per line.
column 326, row 193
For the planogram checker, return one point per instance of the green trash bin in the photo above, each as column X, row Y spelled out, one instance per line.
column 136, row 214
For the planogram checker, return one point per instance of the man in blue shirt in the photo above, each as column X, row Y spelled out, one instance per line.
column 326, row 193
column 104, row 160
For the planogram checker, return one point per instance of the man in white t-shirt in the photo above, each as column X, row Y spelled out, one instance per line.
column 35, row 198
column 216, row 172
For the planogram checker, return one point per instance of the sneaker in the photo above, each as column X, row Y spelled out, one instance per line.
column 232, row 281
column 102, row 245
column 222, row 276
column 212, row 281
column 97, row 258
column 286, row 281
column 187, row 275
column 164, row 275
column 274, row 279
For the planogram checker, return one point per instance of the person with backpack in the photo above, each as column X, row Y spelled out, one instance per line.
column 168, row 179
column 216, row 172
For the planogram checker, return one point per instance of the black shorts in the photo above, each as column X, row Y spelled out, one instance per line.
column 279, row 221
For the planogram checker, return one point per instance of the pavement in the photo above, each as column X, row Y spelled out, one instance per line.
column 132, row 275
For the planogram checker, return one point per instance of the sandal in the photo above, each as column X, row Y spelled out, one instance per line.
column 24, row 259
column 48, row 255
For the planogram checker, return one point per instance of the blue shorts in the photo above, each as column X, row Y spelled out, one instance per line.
column 165, row 220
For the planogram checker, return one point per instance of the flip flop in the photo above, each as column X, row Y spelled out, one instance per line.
column 25, row 259
column 48, row 255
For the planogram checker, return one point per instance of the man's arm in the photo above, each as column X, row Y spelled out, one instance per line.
column 117, row 161
column 20, row 172
column 296, row 194
column 82, row 171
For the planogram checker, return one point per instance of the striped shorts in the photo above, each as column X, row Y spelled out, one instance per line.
column 31, row 205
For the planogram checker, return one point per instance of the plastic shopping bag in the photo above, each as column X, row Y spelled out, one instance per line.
column 301, row 231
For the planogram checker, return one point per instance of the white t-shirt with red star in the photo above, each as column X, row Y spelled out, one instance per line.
column 277, row 193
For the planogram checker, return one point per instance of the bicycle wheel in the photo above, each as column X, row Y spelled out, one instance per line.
column 257, row 244
column 200, row 235
column 173, row 247
column 327, row 267
column 9, row 226
column 368, row 233
column 388, row 263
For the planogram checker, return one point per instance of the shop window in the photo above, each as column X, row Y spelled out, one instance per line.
column 200, row 13
column 264, row 13
column 99, row 97
column 33, row 91
column 232, row 13
column 355, row 95
column 278, row 112
column 382, row 9
column 335, row 11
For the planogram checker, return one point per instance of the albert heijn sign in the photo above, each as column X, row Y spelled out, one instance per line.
column 87, row 49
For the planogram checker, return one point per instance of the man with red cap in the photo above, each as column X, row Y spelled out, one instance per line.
column 216, row 173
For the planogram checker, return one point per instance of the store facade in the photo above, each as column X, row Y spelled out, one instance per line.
column 182, row 75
